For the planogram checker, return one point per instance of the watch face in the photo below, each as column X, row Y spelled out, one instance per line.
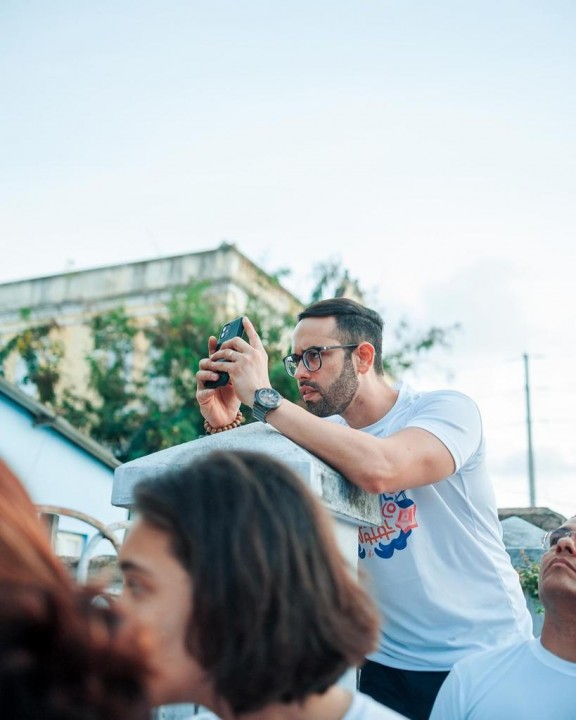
column 268, row 397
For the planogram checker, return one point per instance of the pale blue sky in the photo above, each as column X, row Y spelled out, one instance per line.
column 430, row 147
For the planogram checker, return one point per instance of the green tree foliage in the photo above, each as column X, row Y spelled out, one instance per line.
column 529, row 574
column 112, row 411
column 409, row 347
column 177, row 342
column 134, row 410
column 137, row 411
column 330, row 279
column 41, row 353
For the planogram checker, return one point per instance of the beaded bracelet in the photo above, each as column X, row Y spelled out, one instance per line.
column 238, row 420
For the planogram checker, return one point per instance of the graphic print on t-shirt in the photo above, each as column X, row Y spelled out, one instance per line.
column 399, row 519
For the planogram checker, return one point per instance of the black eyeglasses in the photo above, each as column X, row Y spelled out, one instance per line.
column 554, row 536
column 311, row 357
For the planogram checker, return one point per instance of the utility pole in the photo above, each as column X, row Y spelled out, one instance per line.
column 531, row 480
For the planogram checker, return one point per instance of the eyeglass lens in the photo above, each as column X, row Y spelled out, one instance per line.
column 311, row 358
column 551, row 538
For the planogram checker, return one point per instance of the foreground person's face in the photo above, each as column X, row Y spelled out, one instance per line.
column 157, row 595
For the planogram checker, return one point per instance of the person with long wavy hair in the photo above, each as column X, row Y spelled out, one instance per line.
column 63, row 656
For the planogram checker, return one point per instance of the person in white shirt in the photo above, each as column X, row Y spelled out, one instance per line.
column 437, row 565
column 233, row 569
column 529, row 679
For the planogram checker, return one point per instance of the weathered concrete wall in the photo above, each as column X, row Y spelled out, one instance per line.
column 344, row 500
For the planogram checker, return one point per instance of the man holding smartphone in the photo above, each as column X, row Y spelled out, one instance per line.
column 436, row 565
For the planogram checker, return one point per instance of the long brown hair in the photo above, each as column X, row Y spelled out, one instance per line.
column 62, row 657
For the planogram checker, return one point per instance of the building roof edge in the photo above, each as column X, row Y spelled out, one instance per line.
column 45, row 416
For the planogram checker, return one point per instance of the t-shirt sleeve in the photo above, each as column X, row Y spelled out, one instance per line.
column 449, row 704
column 453, row 418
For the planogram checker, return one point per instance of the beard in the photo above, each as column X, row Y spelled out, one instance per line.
column 336, row 398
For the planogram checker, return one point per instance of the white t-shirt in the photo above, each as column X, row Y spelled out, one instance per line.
column 365, row 708
column 437, row 566
column 522, row 680
column 362, row 708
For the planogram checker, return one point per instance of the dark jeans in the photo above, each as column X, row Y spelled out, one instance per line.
column 409, row 692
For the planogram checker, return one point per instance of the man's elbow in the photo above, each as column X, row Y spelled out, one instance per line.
column 380, row 482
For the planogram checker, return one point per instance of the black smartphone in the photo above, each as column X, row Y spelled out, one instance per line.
column 234, row 328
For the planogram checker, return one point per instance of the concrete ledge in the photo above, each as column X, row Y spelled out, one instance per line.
column 343, row 499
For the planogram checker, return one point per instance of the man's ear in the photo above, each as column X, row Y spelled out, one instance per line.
column 365, row 353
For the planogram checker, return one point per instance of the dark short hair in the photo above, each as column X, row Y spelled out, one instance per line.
column 276, row 613
column 355, row 323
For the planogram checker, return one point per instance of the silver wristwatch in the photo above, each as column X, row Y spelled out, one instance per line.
column 265, row 399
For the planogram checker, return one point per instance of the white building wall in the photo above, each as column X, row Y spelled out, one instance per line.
column 55, row 471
